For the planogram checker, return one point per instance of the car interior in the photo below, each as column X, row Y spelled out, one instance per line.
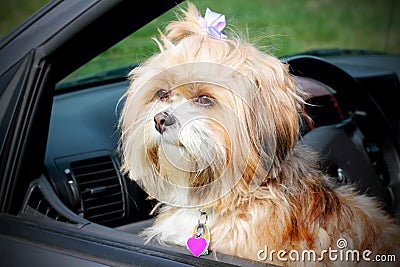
column 354, row 126
column 356, row 140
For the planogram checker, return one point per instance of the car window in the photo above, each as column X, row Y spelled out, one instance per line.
column 278, row 27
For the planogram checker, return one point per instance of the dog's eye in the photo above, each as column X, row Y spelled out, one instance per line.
column 162, row 93
column 204, row 100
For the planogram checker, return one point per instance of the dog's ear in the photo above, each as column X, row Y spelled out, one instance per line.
column 276, row 105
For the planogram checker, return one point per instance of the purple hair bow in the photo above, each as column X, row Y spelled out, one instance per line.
column 214, row 23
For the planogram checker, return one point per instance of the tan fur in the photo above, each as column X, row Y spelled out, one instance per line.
column 239, row 159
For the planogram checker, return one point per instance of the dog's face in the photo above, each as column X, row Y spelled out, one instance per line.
column 206, row 117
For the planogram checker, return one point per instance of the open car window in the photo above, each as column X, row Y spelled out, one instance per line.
column 116, row 61
column 272, row 26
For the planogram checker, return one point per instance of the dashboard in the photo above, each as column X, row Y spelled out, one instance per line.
column 82, row 159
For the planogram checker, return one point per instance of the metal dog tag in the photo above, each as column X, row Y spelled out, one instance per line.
column 200, row 239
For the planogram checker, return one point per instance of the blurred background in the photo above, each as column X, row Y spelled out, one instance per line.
column 280, row 27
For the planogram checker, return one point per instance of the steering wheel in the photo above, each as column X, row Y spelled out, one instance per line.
column 362, row 149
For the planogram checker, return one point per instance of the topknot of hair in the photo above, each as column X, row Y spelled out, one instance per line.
column 187, row 24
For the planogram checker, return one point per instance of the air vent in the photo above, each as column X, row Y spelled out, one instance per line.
column 101, row 189
column 41, row 201
column 38, row 205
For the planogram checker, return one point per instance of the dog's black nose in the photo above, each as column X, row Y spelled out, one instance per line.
column 162, row 120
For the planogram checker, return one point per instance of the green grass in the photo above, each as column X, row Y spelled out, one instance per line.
column 280, row 27
column 13, row 12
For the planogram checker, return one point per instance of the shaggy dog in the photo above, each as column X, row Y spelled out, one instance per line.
column 210, row 128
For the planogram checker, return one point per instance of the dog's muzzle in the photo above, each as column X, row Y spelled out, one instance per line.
column 162, row 120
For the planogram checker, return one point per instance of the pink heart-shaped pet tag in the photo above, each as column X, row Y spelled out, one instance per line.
column 197, row 245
